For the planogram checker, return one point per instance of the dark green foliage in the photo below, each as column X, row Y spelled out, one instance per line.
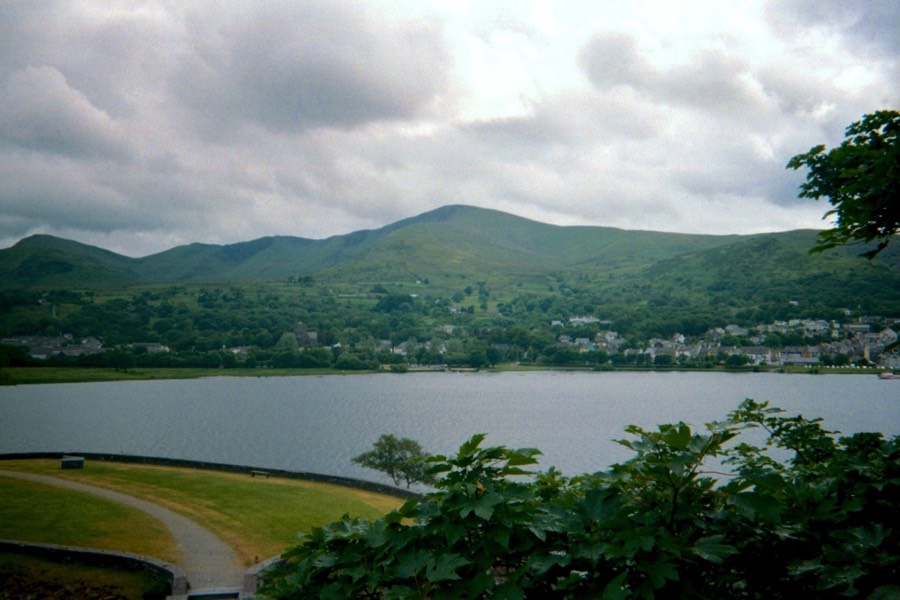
column 351, row 362
column 691, row 515
column 861, row 180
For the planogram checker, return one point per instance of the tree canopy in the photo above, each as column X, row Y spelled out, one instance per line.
column 861, row 179
column 402, row 459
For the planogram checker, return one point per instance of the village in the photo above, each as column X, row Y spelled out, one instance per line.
column 863, row 341
column 860, row 341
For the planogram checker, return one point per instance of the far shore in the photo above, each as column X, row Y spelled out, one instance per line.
column 45, row 375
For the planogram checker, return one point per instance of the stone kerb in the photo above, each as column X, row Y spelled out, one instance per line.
column 254, row 577
column 175, row 576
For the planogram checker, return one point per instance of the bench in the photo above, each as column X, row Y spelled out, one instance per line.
column 256, row 472
column 72, row 462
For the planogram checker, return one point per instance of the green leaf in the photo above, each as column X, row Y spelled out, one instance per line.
column 409, row 563
column 444, row 567
column 660, row 572
column 508, row 591
column 886, row 592
column 616, row 589
column 355, row 572
column 499, row 536
column 471, row 445
column 326, row 560
column 542, row 563
column 377, row 535
column 484, row 506
column 600, row 505
column 522, row 457
column 398, row 592
column 712, row 549
column 756, row 506
column 678, row 437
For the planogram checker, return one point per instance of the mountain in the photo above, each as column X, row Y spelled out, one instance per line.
column 47, row 261
column 444, row 244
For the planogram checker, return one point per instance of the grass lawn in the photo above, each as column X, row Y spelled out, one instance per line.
column 36, row 375
column 34, row 512
column 258, row 517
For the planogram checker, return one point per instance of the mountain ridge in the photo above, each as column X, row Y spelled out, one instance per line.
column 438, row 243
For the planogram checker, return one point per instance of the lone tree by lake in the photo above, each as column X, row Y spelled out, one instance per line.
column 402, row 459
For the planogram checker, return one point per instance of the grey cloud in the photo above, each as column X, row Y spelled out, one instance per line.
column 60, row 192
column 292, row 66
column 569, row 123
column 613, row 59
column 115, row 59
column 166, row 123
column 56, row 192
column 872, row 25
column 40, row 111
column 714, row 80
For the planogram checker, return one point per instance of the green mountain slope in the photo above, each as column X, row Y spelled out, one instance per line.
column 464, row 242
column 485, row 243
column 44, row 260
column 774, row 269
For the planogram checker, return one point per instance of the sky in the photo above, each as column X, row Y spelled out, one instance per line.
column 138, row 126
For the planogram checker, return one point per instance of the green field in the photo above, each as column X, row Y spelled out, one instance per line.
column 36, row 375
column 35, row 512
column 258, row 517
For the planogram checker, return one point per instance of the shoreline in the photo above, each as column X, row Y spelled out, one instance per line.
column 251, row 470
column 49, row 375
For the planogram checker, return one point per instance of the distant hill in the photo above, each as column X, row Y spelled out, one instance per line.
column 457, row 240
column 47, row 261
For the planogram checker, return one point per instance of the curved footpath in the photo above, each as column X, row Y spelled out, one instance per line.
column 208, row 562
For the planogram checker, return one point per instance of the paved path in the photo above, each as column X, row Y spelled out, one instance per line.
column 207, row 561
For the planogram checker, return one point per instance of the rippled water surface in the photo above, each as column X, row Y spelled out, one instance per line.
column 318, row 423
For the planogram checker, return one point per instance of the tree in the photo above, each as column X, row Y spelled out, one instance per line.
column 402, row 459
column 120, row 360
column 287, row 341
column 861, row 179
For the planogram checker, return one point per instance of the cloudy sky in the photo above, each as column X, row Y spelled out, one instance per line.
column 138, row 126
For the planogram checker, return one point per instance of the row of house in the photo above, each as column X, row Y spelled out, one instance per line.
column 43, row 347
column 854, row 340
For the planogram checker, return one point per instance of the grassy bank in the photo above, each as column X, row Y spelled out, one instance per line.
column 35, row 512
column 258, row 517
column 40, row 375
column 36, row 375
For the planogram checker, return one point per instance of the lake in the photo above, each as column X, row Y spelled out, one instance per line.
column 317, row 424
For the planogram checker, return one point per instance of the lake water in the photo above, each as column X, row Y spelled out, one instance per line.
column 317, row 424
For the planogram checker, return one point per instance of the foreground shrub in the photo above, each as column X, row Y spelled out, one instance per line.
column 691, row 515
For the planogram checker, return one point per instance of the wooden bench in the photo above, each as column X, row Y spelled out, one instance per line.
column 256, row 472
column 72, row 462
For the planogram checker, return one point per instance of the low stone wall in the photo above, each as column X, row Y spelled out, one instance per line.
column 103, row 558
column 254, row 578
column 361, row 484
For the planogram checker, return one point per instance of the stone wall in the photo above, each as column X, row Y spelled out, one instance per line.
column 103, row 558
column 362, row 484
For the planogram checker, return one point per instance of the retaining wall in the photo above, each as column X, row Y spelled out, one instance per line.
column 103, row 558
column 362, row 484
